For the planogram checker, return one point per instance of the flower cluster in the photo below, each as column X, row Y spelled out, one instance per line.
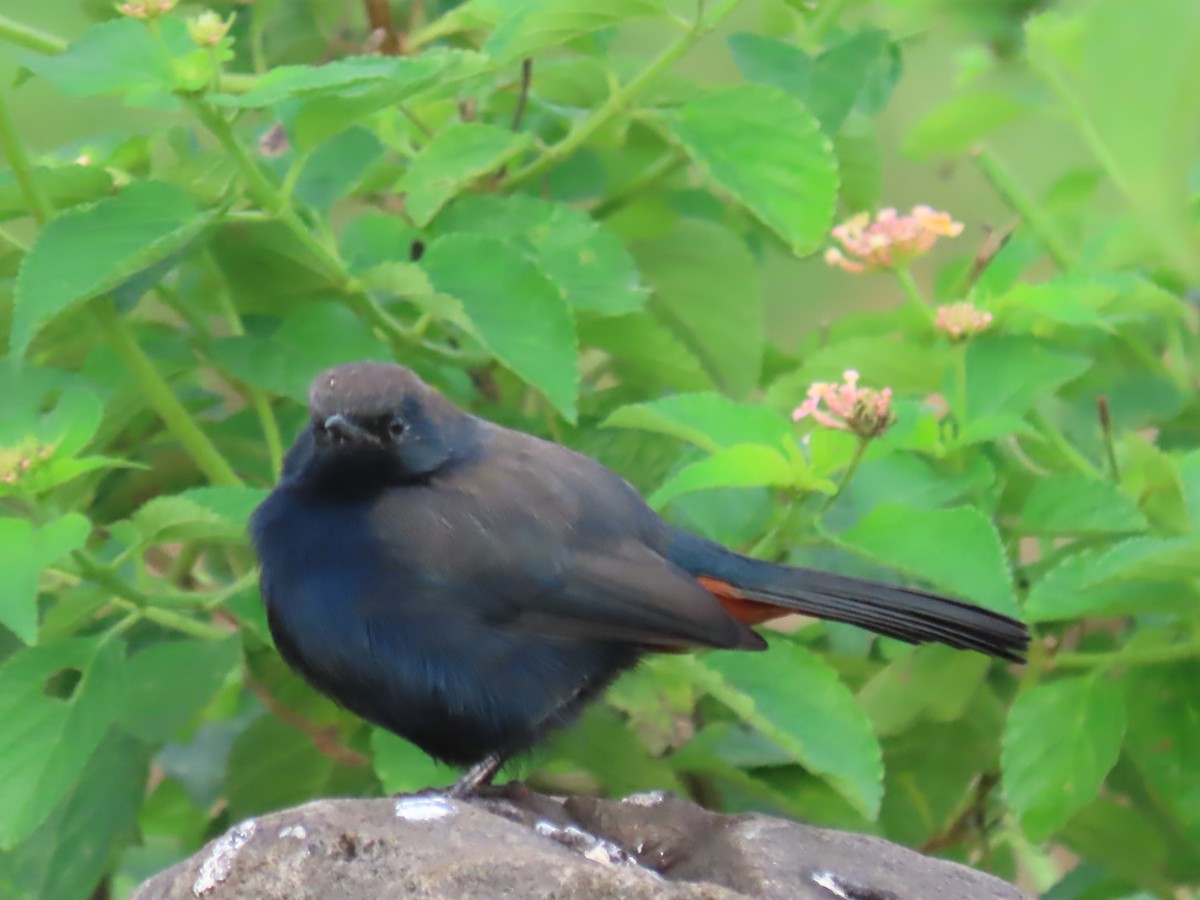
column 146, row 9
column 962, row 320
column 15, row 462
column 208, row 29
column 865, row 411
column 890, row 239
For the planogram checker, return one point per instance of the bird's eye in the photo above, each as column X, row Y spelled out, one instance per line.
column 396, row 428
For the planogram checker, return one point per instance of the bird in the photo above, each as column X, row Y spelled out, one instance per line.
column 470, row 587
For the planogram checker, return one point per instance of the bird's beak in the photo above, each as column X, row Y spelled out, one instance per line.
column 341, row 429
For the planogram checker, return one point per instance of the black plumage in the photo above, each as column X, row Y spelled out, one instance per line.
column 468, row 587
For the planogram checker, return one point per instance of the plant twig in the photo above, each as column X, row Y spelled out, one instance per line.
column 1148, row 656
column 620, row 98
column 912, row 293
column 22, row 169
column 324, row 738
column 523, row 95
column 1019, row 201
column 30, row 38
column 1110, row 448
column 160, row 396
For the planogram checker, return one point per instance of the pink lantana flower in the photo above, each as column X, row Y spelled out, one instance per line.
column 146, row 9
column 890, row 239
column 959, row 321
column 866, row 412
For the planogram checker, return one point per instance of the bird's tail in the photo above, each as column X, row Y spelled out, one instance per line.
column 754, row 591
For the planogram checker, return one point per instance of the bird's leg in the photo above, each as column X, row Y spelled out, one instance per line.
column 477, row 776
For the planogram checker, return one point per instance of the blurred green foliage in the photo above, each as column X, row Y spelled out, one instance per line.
column 539, row 208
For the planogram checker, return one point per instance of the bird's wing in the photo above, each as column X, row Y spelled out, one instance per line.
column 627, row 592
column 537, row 538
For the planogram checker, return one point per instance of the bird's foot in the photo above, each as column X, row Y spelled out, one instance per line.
column 477, row 776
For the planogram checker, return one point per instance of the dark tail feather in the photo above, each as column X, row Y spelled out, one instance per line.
column 908, row 614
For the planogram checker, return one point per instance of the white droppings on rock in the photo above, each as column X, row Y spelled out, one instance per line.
column 299, row 832
column 588, row 845
column 830, row 882
column 650, row 798
column 424, row 809
column 219, row 863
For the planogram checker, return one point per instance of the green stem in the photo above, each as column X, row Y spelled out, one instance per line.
column 22, row 169
column 640, row 185
column 1020, row 202
column 912, row 293
column 184, row 562
column 1147, row 657
column 30, row 38
column 620, row 98
column 1059, row 442
column 324, row 257
column 257, row 398
column 960, row 383
column 156, row 390
column 860, row 450
column 129, row 598
column 1110, row 447
column 13, row 241
column 828, row 14
column 176, row 621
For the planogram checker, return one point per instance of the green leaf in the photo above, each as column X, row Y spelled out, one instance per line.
column 743, row 465
column 86, row 252
column 327, row 111
column 513, row 309
column 159, row 701
column 1148, row 148
column 924, row 792
column 1164, row 736
column 273, row 766
column 762, row 147
column 311, row 338
column 881, row 361
column 452, row 160
column 62, row 186
column 829, row 85
column 952, row 128
column 1061, row 740
column 1007, row 375
column 1083, row 300
column 337, row 166
column 956, row 549
column 72, row 850
column 117, row 57
column 403, row 767
column 706, row 289
column 642, row 351
column 1076, row 504
column 709, row 421
column 374, row 238
column 820, row 725
column 46, row 740
column 348, row 80
column 24, row 552
column 1123, row 837
column 603, row 744
column 528, row 26
column 586, row 260
column 204, row 513
column 1134, row 576
column 933, row 683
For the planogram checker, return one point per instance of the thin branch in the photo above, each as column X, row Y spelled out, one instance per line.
column 523, row 96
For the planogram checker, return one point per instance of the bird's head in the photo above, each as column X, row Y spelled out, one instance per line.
column 378, row 422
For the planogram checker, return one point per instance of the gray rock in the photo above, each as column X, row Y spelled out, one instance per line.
column 519, row 844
